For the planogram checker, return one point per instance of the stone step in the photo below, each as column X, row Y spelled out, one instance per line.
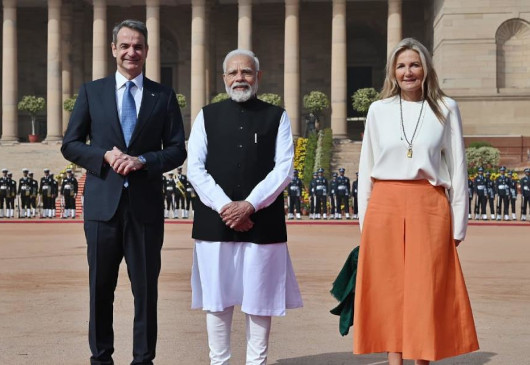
column 346, row 154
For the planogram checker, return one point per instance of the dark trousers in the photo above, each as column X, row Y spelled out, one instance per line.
column 343, row 199
column 525, row 201
column 492, row 204
column 25, row 201
column 321, row 204
column 333, row 203
column 294, row 203
column 69, row 202
column 169, row 202
column 140, row 244
column 502, row 204
column 480, row 204
column 513, row 201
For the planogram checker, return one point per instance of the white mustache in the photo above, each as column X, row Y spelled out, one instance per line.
column 237, row 84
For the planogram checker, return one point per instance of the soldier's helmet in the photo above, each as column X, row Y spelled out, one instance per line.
column 320, row 170
column 4, row 171
column 488, row 173
column 171, row 174
column 315, row 173
column 25, row 170
column 335, row 174
column 68, row 171
column 9, row 174
column 46, row 170
column 341, row 169
column 503, row 168
column 30, row 173
column 295, row 171
column 179, row 169
column 527, row 170
column 510, row 173
column 481, row 169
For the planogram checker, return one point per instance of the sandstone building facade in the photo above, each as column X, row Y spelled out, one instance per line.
column 481, row 50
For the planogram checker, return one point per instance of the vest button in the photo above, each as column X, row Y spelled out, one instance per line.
column 240, row 146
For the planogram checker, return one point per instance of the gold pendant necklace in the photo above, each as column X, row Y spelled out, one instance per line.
column 409, row 151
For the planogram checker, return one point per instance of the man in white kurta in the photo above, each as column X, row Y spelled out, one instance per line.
column 240, row 159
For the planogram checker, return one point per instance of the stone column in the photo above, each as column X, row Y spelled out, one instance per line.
column 54, row 84
column 338, row 70
column 198, row 51
column 9, row 73
column 100, row 42
column 66, row 60
column 394, row 29
column 291, row 84
column 244, row 25
column 152, row 64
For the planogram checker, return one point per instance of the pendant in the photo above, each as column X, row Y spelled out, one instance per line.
column 409, row 153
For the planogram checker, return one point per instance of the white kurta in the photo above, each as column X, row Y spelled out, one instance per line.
column 260, row 278
column 438, row 153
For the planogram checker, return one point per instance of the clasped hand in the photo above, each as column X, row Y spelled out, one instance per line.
column 236, row 215
column 122, row 163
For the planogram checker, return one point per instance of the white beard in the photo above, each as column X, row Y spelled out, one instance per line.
column 241, row 96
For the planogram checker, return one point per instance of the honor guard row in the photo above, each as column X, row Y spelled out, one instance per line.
column 337, row 190
column 503, row 191
column 178, row 193
column 29, row 191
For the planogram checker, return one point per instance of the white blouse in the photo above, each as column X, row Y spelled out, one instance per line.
column 438, row 153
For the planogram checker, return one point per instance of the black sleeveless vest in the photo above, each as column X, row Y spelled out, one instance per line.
column 241, row 148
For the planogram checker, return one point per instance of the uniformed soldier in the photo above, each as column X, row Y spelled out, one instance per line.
column 525, row 193
column 321, row 193
column 502, row 188
column 512, row 186
column 46, row 193
column 180, row 194
column 4, row 188
column 69, row 192
column 480, row 186
column 312, row 195
column 294, row 193
column 11, row 195
column 191, row 195
column 168, row 189
column 490, row 187
column 24, row 193
column 34, row 193
column 343, row 195
column 354, row 188
column 55, row 193
column 470, row 194
column 333, row 196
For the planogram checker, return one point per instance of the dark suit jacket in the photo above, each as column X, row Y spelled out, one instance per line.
column 94, row 128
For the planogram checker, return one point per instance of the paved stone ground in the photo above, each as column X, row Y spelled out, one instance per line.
column 44, row 298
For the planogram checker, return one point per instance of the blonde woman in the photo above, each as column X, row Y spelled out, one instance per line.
column 411, row 299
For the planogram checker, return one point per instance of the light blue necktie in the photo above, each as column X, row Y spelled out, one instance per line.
column 128, row 113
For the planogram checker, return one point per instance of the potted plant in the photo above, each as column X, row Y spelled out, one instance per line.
column 315, row 102
column 181, row 100
column 361, row 101
column 271, row 98
column 220, row 97
column 69, row 103
column 32, row 105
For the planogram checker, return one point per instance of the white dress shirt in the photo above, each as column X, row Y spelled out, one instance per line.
column 136, row 91
column 438, row 153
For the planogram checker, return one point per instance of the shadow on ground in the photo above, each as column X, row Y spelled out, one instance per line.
column 347, row 358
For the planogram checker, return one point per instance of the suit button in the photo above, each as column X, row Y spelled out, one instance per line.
column 240, row 146
column 238, row 185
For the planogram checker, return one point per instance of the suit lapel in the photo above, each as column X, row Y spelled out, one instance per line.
column 111, row 109
column 149, row 98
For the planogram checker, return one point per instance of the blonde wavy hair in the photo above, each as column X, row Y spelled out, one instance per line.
column 430, row 88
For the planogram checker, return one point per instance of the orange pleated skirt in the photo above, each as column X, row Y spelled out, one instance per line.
column 410, row 293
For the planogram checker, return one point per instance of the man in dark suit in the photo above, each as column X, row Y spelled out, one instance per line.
column 135, row 133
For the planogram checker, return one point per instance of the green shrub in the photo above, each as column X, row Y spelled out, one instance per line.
column 220, row 97
column 310, row 158
column 363, row 98
column 181, row 100
column 271, row 98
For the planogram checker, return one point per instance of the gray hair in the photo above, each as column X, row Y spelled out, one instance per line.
column 241, row 52
column 132, row 24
